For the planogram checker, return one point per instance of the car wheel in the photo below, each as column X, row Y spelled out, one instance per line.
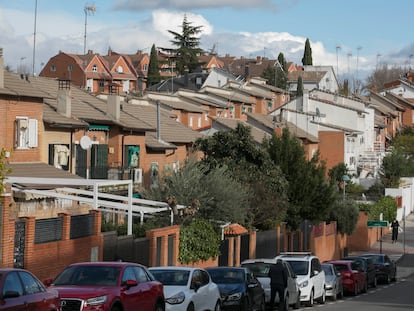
column 159, row 307
column 115, row 308
column 218, row 306
column 297, row 302
column 356, row 289
column 190, row 307
column 310, row 302
column 335, row 295
column 340, row 294
column 322, row 299
column 388, row 279
column 365, row 289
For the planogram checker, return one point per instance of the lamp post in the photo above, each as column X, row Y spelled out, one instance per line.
column 345, row 180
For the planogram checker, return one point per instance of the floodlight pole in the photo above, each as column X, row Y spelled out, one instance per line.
column 34, row 39
column 87, row 10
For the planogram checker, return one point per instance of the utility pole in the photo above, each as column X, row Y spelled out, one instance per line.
column 357, row 73
column 89, row 9
column 338, row 47
column 34, row 39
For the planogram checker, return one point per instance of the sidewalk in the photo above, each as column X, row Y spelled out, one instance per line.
column 402, row 251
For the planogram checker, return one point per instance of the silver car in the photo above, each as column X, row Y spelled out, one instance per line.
column 260, row 268
column 333, row 281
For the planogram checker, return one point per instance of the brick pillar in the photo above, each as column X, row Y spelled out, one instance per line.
column 176, row 248
column 164, row 251
column 252, row 244
column 277, row 240
column 29, row 253
column 237, row 251
column 65, row 226
column 231, row 252
column 97, row 222
column 7, row 229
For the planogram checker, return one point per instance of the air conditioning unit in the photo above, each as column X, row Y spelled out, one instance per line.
column 137, row 175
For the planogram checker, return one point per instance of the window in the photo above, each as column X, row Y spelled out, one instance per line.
column 101, row 84
column 95, row 68
column 128, row 275
column 190, row 121
column 70, row 68
column 120, row 69
column 144, row 67
column 53, row 68
column 199, row 122
column 12, row 284
column 31, row 285
column 26, row 133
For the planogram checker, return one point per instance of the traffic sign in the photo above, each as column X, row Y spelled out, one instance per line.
column 377, row 223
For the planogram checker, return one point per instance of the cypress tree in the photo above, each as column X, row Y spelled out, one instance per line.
column 307, row 55
column 299, row 90
column 153, row 68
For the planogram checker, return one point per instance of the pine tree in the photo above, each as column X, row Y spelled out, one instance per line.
column 153, row 68
column 187, row 48
column 307, row 55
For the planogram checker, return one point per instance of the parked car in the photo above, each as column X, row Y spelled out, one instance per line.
column 354, row 281
column 310, row 276
column 367, row 265
column 188, row 288
column 260, row 269
column 109, row 286
column 21, row 290
column 385, row 268
column 333, row 281
column 239, row 289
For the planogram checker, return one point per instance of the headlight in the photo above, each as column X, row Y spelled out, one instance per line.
column 303, row 284
column 233, row 297
column 176, row 299
column 96, row 301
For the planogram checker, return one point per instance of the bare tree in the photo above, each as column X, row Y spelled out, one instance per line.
column 382, row 75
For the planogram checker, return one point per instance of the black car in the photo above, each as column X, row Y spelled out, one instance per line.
column 386, row 269
column 239, row 289
column 366, row 264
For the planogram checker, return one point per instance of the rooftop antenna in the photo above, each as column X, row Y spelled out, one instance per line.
column 34, row 40
column 89, row 9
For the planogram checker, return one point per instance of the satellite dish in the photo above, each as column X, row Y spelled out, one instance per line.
column 85, row 142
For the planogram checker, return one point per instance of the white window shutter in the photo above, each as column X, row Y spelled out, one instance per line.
column 33, row 129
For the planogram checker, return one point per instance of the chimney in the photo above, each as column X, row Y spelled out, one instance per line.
column 114, row 106
column 1, row 69
column 64, row 99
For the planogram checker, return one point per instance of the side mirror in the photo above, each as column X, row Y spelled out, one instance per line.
column 195, row 285
column 48, row 282
column 130, row 283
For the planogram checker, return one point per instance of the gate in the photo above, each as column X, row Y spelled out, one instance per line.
column 19, row 241
column 81, row 161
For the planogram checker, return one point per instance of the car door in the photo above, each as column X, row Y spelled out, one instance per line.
column 318, row 277
column 200, row 291
column 12, row 293
column 254, row 289
column 36, row 297
column 133, row 296
column 292, row 284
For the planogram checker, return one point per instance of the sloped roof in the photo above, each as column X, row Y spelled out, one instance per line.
column 53, row 118
column 307, row 76
column 257, row 134
column 235, row 229
column 19, row 85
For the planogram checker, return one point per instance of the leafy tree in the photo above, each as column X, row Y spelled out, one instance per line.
column 346, row 214
column 394, row 166
column 310, row 194
column 154, row 76
column 387, row 205
column 307, row 55
column 277, row 75
column 187, row 48
column 299, row 89
column 198, row 241
column 218, row 196
column 249, row 163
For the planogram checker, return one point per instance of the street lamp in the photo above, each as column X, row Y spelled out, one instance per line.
column 345, row 180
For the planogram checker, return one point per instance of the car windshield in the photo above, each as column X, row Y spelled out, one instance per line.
column 171, row 277
column 226, row 276
column 300, row 267
column 89, row 276
column 259, row 269
column 327, row 270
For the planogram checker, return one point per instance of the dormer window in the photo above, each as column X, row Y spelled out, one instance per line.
column 53, row 68
column 95, row 68
column 120, row 69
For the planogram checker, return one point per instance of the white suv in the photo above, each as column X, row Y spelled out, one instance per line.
column 310, row 276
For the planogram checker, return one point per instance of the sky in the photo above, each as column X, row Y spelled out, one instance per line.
column 352, row 36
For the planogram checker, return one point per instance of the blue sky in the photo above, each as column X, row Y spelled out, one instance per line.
column 353, row 36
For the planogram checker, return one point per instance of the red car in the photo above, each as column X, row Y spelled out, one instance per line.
column 108, row 286
column 21, row 290
column 354, row 280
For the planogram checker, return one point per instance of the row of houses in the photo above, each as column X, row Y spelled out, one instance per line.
column 128, row 72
